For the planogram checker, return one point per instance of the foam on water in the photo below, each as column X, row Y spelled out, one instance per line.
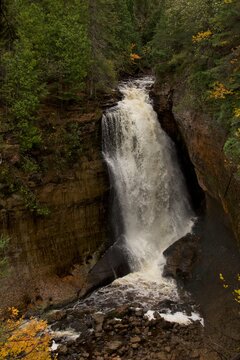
column 153, row 199
column 149, row 184
column 69, row 334
column 182, row 318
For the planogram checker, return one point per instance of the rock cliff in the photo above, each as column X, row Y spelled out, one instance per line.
column 204, row 140
column 50, row 256
column 200, row 142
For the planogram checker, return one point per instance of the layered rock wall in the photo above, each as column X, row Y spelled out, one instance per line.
column 204, row 140
column 50, row 256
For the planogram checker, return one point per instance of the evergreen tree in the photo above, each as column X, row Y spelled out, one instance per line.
column 111, row 33
column 100, row 18
column 197, row 42
column 7, row 32
column 125, row 34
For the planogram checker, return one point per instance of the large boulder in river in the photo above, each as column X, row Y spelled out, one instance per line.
column 181, row 256
column 112, row 265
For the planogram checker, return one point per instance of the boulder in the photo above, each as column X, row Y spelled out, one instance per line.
column 112, row 265
column 98, row 319
column 181, row 257
column 114, row 345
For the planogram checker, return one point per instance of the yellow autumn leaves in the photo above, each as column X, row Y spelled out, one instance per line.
column 203, row 35
column 237, row 112
column 28, row 339
column 236, row 292
column 219, row 91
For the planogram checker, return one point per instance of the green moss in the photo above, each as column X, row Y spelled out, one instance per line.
column 31, row 202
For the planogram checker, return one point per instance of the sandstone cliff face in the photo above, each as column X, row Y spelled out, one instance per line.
column 50, row 256
column 204, row 140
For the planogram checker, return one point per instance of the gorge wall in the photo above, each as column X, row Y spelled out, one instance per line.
column 204, row 140
column 200, row 143
column 49, row 256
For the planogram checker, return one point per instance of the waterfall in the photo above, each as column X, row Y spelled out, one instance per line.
column 150, row 187
column 153, row 203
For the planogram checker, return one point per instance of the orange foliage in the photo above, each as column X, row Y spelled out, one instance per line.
column 134, row 57
column 28, row 339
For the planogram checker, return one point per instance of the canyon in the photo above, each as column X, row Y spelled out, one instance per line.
column 54, row 259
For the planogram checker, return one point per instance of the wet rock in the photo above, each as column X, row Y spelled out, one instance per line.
column 62, row 349
column 237, row 357
column 10, row 154
column 57, row 268
column 114, row 345
column 161, row 356
column 181, row 257
column 135, row 339
column 139, row 312
column 112, row 264
column 167, row 349
column 55, row 315
column 98, row 319
column 120, row 339
column 137, row 331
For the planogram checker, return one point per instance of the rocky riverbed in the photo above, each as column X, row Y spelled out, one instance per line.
column 127, row 333
column 137, row 318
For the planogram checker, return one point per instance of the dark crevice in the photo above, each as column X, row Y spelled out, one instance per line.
column 170, row 126
column 228, row 185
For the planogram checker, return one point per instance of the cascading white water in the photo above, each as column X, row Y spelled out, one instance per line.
column 149, row 184
column 153, row 201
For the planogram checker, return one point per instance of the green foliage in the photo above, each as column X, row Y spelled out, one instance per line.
column 7, row 33
column 30, row 166
column 22, row 91
column 59, row 52
column 232, row 148
column 8, row 182
column 29, row 135
column 21, row 88
column 4, row 241
column 198, row 43
column 146, row 14
column 60, row 49
column 111, row 32
column 72, row 141
column 31, row 202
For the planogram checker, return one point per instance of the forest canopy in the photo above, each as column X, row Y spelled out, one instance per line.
column 67, row 50
column 198, row 43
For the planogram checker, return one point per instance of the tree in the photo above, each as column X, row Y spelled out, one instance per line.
column 198, row 42
column 20, row 339
column 111, row 33
column 4, row 241
column 7, row 31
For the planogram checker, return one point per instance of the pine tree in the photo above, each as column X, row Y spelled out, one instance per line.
column 7, row 31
